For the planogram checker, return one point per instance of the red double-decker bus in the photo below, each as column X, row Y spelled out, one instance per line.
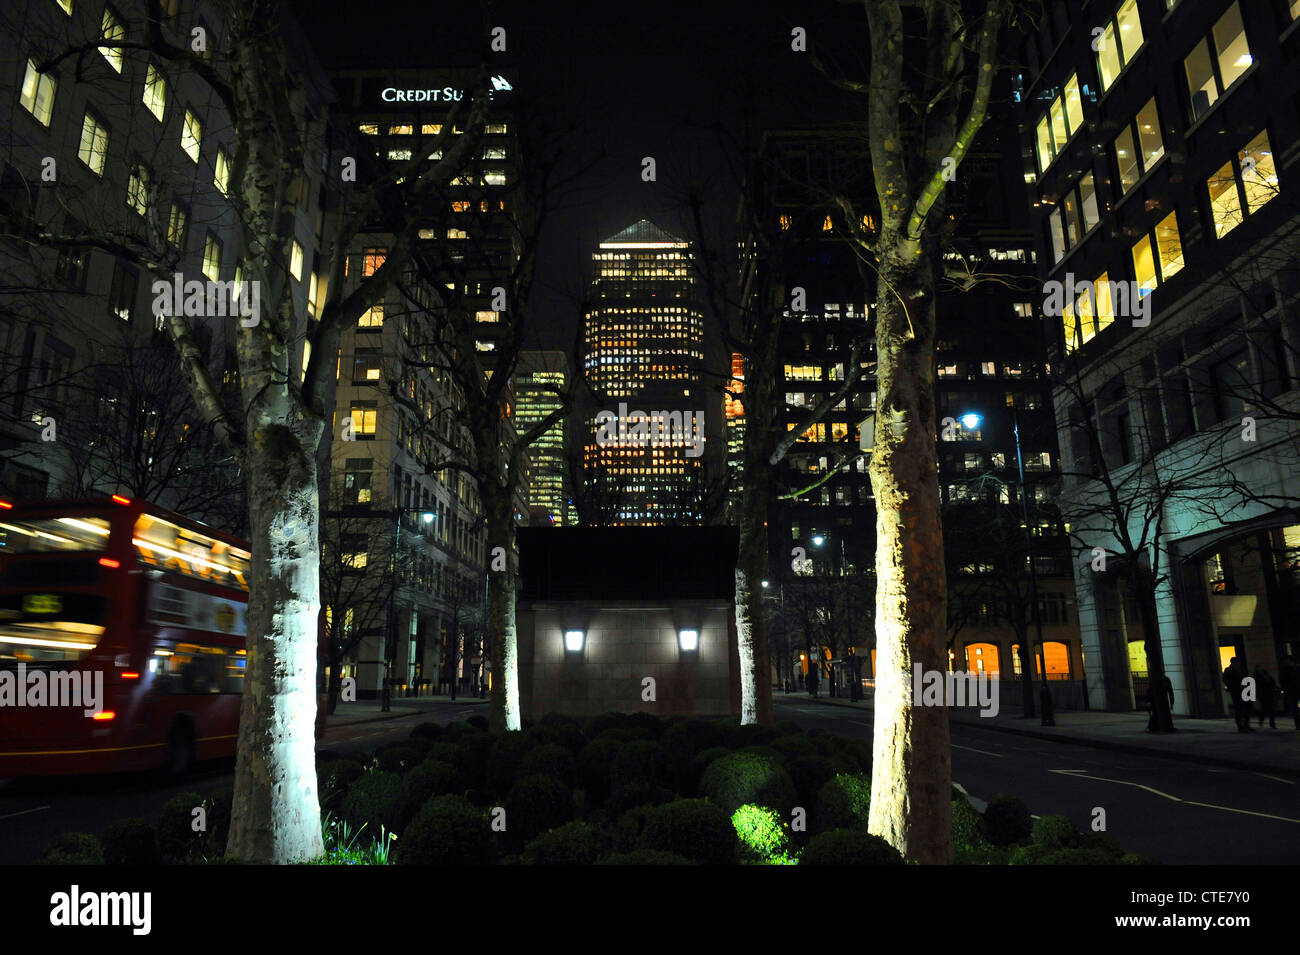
column 121, row 638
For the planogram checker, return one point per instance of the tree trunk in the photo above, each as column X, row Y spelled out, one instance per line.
column 911, row 770
column 276, row 817
column 1144, row 594
column 504, row 715
column 751, row 636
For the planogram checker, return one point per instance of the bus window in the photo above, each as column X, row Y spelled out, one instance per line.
column 38, row 628
column 194, row 669
column 54, row 535
column 162, row 544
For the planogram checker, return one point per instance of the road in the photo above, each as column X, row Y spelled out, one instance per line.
column 33, row 812
column 1174, row 811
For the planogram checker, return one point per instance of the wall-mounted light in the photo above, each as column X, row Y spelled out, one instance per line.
column 573, row 641
column 688, row 640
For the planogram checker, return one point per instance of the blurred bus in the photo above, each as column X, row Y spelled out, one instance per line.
column 147, row 605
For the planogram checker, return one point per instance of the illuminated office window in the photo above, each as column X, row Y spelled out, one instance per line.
column 295, row 261
column 37, row 95
column 191, row 135
column 93, row 147
column 155, row 91
column 221, row 172
column 1119, row 43
column 111, row 28
column 1217, row 61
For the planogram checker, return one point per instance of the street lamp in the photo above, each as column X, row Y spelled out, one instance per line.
column 970, row 421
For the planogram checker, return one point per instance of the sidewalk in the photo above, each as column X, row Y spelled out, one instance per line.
column 1213, row 742
column 370, row 711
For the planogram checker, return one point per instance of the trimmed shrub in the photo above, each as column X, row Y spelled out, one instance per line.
column 372, row 801
column 567, row 735
column 454, row 754
column 334, row 778
column 843, row 803
column 605, row 721
column 793, row 745
column 764, row 836
column 536, row 804
column 625, row 735
column 627, row 831
column 1007, row 821
column 400, row 757
column 1035, row 854
column 574, row 843
column 1102, row 841
column 854, row 755
column 558, row 719
column 503, row 763
column 686, row 739
column 967, row 826
column 640, row 762
column 478, row 722
column 449, row 830
column 748, row 777
column 645, row 857
column 647, row 722
column 595, row 763
column 73, row 848
column 849, row 847
column 177, row 839
column 698, row 765
column 550, row 759
column 130, row 842
column 983, row 854
column 738, row 736
column 1055, row 832
column 692, row 828
column 809, row 774
column 421, row 784
column 636, row 794
column 427, row 731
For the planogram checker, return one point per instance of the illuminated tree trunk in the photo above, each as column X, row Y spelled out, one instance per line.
column 751, row 635
column 276, row 816
column 911, row 771
column 503, row 636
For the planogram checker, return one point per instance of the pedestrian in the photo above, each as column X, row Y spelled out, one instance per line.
column 1167, row 687
column 1265, row 694
column 812, row 681
column 1291, row 688
column 1234, row 680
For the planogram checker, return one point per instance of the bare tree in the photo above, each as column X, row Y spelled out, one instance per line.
column 275, row 424
column 927, row 94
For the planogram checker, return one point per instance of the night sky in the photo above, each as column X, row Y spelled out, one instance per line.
column 675, row 80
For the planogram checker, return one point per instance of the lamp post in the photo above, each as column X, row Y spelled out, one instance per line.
column 427, row 517
column 971, row 420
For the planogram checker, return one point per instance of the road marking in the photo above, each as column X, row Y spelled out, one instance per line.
column 1082, row 774
column 974, row 750
column 25, row 812
column 1289, row 782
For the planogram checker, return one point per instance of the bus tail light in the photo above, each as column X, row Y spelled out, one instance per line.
column 130, row 675
column 6, row 506
column 110, row 563
column 121, row 500
column 104, row 715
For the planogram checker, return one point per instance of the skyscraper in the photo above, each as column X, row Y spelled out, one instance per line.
column 538, row 377
column 644, row 358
